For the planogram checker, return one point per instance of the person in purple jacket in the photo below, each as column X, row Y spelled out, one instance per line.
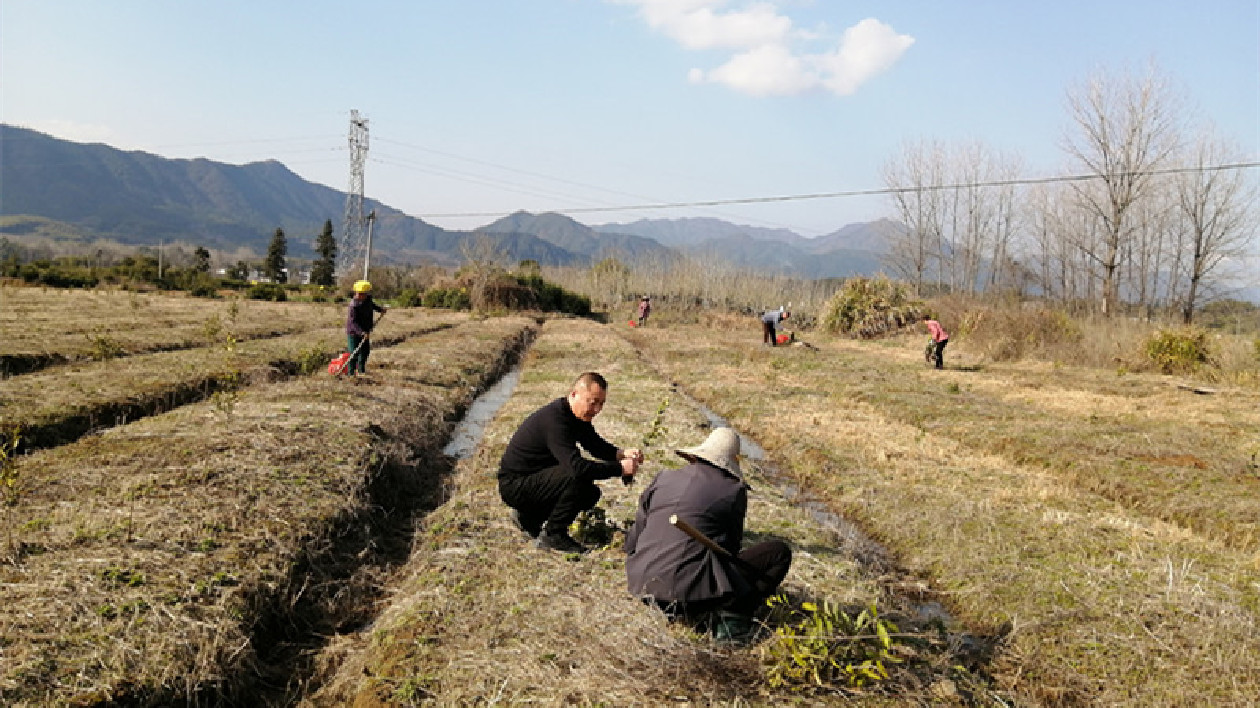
column 686, row 579
column 359, row 327
column 543, row 476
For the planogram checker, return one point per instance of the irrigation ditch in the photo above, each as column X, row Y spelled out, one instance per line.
column 339, row 588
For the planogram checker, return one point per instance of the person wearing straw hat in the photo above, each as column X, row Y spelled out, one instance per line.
column 359, row 327
column 680, row 574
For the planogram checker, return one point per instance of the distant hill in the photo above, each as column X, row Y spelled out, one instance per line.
column 579, row 238
column 81, row 192
column 66, row 191
column 693, row 231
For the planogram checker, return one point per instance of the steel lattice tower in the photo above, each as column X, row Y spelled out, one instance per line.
column 353, row 234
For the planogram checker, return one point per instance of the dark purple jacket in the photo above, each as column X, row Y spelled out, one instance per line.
column 668, row 565
column 550, row 436
column 359, row 318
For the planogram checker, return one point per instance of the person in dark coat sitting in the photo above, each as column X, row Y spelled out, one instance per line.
column 666, row 566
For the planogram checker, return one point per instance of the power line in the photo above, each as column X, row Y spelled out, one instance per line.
column 868, row 192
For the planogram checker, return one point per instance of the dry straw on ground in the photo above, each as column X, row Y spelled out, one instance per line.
column 1114, row 546
column 174, row 559
column 483, row 617
column 48, row 326
column 58, row 404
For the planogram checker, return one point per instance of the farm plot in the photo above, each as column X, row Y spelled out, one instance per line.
column 163, row 561
column 60, row 404
column 483, row 616
column 996, row 485
column 49, row 326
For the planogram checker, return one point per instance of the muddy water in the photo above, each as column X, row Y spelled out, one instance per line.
column 469, row 431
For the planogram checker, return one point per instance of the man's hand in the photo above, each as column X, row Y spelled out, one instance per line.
column 628, row 467
column 633, row 453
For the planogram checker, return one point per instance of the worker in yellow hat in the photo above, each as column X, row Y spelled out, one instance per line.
column 359, row 327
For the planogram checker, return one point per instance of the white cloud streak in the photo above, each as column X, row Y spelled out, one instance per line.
column 769, row 58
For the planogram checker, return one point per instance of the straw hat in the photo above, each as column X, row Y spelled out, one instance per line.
column 720, row 449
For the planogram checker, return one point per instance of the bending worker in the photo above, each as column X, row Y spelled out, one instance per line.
column 770, row 323
column 359, row 327
column 681, row 575
column 939, row 339
column 543, row 476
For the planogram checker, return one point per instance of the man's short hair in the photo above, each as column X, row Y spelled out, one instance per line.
column 585, row 379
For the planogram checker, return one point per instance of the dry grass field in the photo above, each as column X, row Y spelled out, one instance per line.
column 187, row 556
column 58, row 404
column 1104, row 525
column 1042, row 534
column 47, row 326
column 481, row 617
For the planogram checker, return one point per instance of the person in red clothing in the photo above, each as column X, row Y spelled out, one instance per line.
column 939, row 337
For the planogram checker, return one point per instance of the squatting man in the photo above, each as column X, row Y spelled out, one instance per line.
column 543, row 475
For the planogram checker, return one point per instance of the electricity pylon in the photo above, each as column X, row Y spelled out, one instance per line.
column 353, row 234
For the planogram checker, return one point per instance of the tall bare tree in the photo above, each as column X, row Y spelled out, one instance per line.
column 1216, row 206
column 915, row 178
column 1126, row 127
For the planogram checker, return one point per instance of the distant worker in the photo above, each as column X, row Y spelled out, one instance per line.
column 681, row 575
column 645, row 309
column 359, row 327
column 770, row 323
column 543, row 476
column 939, row 339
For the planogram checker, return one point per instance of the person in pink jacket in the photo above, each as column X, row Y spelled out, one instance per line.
column 939, row 337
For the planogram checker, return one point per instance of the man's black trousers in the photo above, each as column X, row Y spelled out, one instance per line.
column 553, row 495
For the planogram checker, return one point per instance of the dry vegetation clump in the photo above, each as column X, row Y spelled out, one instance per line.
column 59, row 404
column 1010, row 332
column 484, row 617
column 871, row 307
column 1105, row 527
column 49, row 326
column 184, row 558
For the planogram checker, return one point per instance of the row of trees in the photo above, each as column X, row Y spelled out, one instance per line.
column 323, row 270
column 1153, row 214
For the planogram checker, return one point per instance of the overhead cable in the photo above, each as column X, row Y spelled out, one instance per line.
column 870, row 192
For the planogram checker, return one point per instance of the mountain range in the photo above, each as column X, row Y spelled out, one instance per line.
column 53, row 189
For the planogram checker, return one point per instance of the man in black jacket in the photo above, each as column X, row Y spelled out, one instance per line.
column 543, row 476
column 677, row 572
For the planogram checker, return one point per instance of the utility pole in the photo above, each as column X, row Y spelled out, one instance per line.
column 367, row 252
column 352, row 230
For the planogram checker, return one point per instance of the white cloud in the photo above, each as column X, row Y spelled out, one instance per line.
column 867, row 48
column 768, row 70
column 769, row 59
column 697, row 24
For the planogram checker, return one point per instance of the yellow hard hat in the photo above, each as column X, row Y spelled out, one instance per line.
column 362, row 286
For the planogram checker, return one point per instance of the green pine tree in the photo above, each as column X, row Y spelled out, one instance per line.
column 274, row 265
column 323, row 269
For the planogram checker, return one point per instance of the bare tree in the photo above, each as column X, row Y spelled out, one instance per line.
column 1215, row 206
column 1126, row 127
column 915, row 179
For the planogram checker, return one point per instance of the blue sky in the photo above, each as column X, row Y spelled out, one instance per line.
column 486, row 107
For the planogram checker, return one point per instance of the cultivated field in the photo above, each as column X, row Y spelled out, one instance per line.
column 1046, row 535
column 47, row 326
column 191, row 555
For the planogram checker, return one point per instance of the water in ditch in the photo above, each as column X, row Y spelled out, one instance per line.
column 469, row 431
